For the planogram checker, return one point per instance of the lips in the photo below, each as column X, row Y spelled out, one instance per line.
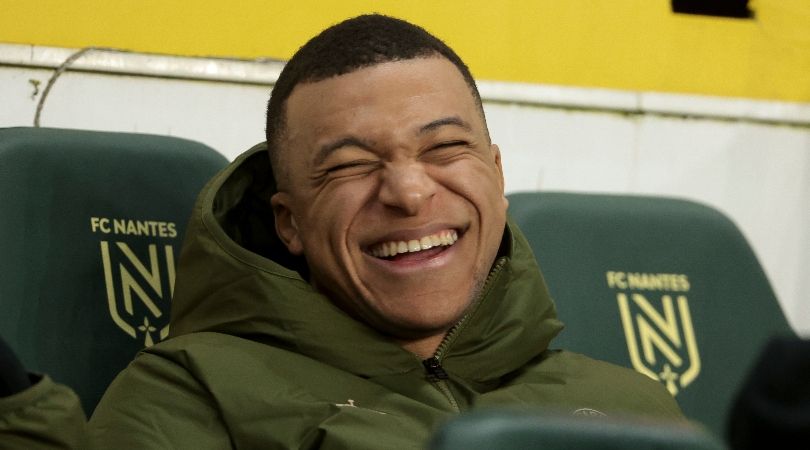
column 389, row 249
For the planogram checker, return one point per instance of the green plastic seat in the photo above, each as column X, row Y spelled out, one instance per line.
column 666, row 286
column 513, row 430
column 91, row 224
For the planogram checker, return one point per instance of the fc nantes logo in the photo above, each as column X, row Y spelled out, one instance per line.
column 138, row 275
column 658, row 326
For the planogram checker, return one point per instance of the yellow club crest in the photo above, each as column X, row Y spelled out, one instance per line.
column 139, row 275
column 657, row 326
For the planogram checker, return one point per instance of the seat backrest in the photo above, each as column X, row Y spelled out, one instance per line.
column 90, row 226
column 520, row 430
column 669, row 287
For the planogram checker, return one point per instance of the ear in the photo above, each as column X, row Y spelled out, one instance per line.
column 286, row 228
column 496, row 152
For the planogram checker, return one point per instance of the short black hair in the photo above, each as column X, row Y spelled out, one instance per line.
column 353, row 44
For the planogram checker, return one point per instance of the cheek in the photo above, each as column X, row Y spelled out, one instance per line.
column 482, row 188
column 332, row 212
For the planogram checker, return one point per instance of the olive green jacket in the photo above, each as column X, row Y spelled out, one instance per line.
column 259, row 359
column 47, row 415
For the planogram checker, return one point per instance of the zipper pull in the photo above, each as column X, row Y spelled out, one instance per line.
column 434, row 368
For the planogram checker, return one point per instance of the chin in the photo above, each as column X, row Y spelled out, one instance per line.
column 410, row 327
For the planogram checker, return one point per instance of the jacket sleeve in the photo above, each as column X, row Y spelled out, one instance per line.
column 46, row 415
column 156, row 404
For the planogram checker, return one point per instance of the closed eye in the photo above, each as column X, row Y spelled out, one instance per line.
column 446, row 151
column 451, row 144
column 349, row 165
column 351, row 168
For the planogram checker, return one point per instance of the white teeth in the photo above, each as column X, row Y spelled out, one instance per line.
column 391, row 248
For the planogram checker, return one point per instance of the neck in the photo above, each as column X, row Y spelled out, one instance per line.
column 423, row 347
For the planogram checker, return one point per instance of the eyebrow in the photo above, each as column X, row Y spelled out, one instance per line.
column 328, row 148
column 438, row 123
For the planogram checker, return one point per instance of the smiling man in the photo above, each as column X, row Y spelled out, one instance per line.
column 355, row 281
column 393, row 194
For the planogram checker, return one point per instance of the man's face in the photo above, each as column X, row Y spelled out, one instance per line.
column 393, row 193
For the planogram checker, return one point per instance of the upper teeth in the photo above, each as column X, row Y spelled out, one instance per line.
column 391, row 248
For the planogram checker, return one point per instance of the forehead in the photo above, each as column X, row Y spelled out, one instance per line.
column 388, row 97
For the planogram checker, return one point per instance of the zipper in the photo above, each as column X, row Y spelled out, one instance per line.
column 433, row 365
column 434, row 368
column 439, row 377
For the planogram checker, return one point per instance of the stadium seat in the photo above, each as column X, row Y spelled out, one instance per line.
column 90, row 227
column 669, row 287
column 521, row 430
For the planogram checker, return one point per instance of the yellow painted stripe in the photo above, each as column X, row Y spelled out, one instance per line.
column 624, row 44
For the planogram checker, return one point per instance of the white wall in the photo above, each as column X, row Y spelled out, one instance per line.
column 749, row 159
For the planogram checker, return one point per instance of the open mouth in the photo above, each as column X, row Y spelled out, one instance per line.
column 434, row 244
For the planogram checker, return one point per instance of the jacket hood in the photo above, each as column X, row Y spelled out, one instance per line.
column 234, row 276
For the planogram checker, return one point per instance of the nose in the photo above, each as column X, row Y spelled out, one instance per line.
column 406, row 187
